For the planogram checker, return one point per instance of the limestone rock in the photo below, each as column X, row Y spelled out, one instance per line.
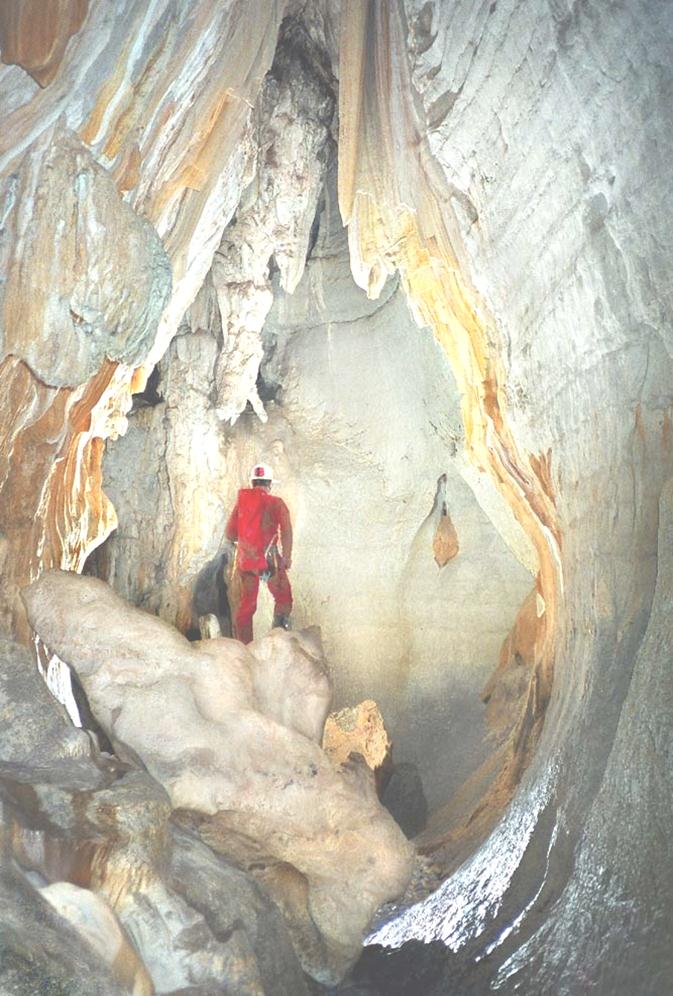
column 276, row 213
column 397, row 630
column 94, row 834
column 263, row 788
column 78, row 293
column 92, row 917
column 291, row 682
column 511, row 161
column 41, row 952
column 508, row 685
column 162, row 144
column 37, row 730
column 358, row 730
column 35, row 37
column 239, row 915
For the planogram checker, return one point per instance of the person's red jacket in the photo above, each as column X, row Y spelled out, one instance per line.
column 258, row 520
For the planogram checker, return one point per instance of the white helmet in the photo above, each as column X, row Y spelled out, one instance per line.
column 261, row 472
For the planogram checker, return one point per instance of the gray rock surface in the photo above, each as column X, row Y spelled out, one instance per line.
column 38, row 730
column 556, row 130
column 40, row 952
column 68, row 299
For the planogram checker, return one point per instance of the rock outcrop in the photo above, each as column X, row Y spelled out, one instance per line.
column 259, row 790
column 420, row 641
column 358, row 730
column 276, row 213
column 128, row 160
column 100, row 892
column 68, row 302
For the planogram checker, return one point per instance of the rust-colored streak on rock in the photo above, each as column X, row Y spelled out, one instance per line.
column 507, row 689
column 128, row 173
column 542, row 468
column 52, row 507
column 445, row 545
column 158, row 124
column 35, row 34
column 358, row 730
column 400, row 218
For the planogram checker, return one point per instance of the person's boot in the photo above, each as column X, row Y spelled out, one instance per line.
column 280, row 622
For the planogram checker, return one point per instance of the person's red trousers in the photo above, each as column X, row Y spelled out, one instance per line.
column 279, row 586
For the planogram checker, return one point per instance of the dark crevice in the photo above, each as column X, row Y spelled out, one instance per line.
column 149, row 397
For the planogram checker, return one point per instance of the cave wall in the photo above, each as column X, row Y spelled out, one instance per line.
column 511, row 163
column 362, row 490
column 124, row 148
column 552, row 124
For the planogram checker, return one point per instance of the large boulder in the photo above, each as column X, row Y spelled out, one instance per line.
column 261, row 791
column 100, row 894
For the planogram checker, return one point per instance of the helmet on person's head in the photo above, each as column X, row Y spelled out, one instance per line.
column 261, row 473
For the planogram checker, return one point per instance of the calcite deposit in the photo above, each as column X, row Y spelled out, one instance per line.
column 275, row 215
column 358, row 730
column 147, row 143
column 242, row 756
column 366, row 503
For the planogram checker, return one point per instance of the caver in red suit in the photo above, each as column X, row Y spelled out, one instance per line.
column 258, row 522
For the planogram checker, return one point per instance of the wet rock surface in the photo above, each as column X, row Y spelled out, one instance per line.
column 364, row 500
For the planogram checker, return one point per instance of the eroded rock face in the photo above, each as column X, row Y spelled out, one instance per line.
column 91, row 916
column 276, row 213
column 358, row 730
column 291, row 682
column 511, row 162
column 261, row 790
column 35, row 37
column 69, row 300
column 129, row 162
column 554, row 202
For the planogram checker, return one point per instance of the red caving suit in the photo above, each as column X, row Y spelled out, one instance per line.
column 256, row 523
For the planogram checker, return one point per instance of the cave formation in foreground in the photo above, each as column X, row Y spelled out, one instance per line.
column 418, row 256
